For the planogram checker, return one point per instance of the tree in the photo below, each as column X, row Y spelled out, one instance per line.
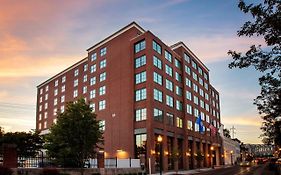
column 226, row 133
column 28, row 144
column 75, row 136
column 266, row 59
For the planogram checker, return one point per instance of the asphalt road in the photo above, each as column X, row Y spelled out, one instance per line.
column 237, row 170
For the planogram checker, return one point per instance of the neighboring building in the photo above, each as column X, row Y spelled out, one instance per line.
column 141, row 88
column 231, row 150
column 260, row 150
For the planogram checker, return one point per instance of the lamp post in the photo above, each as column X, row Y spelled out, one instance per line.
column 159, row 140
column 231, row 152
column 212, row 156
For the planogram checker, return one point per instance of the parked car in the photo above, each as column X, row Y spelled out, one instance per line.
column 245, row 163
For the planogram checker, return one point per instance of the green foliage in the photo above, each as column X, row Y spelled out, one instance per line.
column 5, row 171
column 226, row 133
column 75, row 136
column 267, row 59
column 27, row 144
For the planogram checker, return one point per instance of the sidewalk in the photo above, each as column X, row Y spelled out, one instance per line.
column 194, row 171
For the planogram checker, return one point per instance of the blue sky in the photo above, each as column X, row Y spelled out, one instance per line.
column 40, row 38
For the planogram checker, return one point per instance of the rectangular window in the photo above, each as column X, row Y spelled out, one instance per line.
column 46, row 96
column 208, row 118
column 207, row 96
column 194, row 65
column 63, row 88
column 45, row 115
column 201, row 81
column 195, row 100
column 206, row 76
column 179, row 122
column 157, row 62
column 102, row 105
column 200, row 71
column 76, row 72
column 188, row 82
column 141, row 114
column 62, row 98
column 170, row 119
column 168, row 56
column 189, row 125
column 140, row 77
column 103, row 64
column 102, row 90
column 55, row 101
column 156, row 47
column 158, row 115
column 178, row 105
column 85, row 77
column 102, row 125
column 55, row 92
column 93, row 107
column 195, row 88
column 169, row 85
column 140, row 143
column 169, row 70
column 85, row 67
column 201, row 92
column 93, row 56
column 187, row 69
column 47, row 88
column 188, row 95
column 63, row 79
column 102, row 76
column 186, row 58
column 178, row 91
column 157, row 78
column 45, row 124
column 93, row 68
column 75, row 93
column 41, row 91
column 140, row 94
column 92, row 94
column 139, row 46
column 189, row 109
column 158, row 95
column 206, row 86
column 140, row 61
column 103, row 51
column 56, row 83
column 75, row 83
column 93, row 81
column 196, row 112
column 169, row 101
column 177, row 63
column 178, row 77
column 194, row 75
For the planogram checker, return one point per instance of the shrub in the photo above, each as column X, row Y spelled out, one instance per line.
column 5, row 171
column 50, row 171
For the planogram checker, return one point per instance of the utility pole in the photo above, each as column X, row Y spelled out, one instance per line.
column 232, row 130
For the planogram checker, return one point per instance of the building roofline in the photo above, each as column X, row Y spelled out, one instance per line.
column 181, row 44
column 62, row 72
column 114, row 35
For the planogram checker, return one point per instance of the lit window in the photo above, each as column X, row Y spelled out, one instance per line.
column 169, row 101
column 55, row 101
column 178, row 105
column 140, row 77
column 85, row 67
column 92, row 94
column 46, row 96
column 157, row 62
column 56, row 83
column 63, row 79
column 85, row 78
column 93, row 68
column 93, row 81
column 63, row 88
column 55, row 92
column 168, row 56
column 103, row 51
column 169, row 85
column 102, row 125
column 102, row 76
column 45, row 115
column 139, row 46
column 75, row 83
column 45, row 124
column 75, row 93
column 93, row 107
column 157, row 78
column 140, row 94
column 46, row 106
column 102, row 90
column 158, row 115
column 156, row 47
column 169, row 70
column 140, row 61
column 102, row 105
column 84, row 89
column 76, row 72
column 62, row 99
column 103, row 64
column 186, row 58
column 157, row 94
column 93, row 56
column 189, row 125
column 178, row 91
column 141, row 114
column 189, row 109
column 40, row 117
column 179, row 122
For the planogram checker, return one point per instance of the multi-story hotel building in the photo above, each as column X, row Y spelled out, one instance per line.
column 141, row 88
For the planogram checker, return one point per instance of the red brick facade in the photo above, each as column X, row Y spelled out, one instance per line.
column 126, row 126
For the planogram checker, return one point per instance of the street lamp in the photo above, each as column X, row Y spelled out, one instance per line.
column 212, row 156
column 159, row 140
column 231, row 152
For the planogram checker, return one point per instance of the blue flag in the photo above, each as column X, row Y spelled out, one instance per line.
column 200, row 124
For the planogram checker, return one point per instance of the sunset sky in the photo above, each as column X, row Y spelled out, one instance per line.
column 40, row 38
